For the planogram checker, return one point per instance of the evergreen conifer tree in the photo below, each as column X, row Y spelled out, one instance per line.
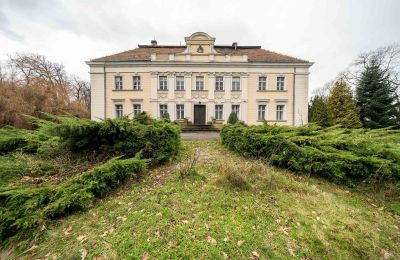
column 342, row 107
column 377, row 98
column 319, row 112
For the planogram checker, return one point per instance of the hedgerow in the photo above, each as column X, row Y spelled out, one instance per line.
column 338, row 154
column 24, row 209
column 157, row 140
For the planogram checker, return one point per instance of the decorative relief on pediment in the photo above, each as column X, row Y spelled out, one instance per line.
column 219, row 95
column 162, row 95
column 235, row 97
column 179, row 95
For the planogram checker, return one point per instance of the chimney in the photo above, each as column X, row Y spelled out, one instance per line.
column 235, row 45
column 153, row 43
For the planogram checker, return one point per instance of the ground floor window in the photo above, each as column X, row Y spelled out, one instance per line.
column 119, row 110
column 137, row 109
column 261, row 112
column 163, row 110
column 219, row 112
column 280, row 110
column 180, row 112
column 236, row 109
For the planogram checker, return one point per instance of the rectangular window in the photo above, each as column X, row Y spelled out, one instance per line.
column 136, row 82
column 199, row 83
column 219, row 83
column 180, row 112
column 236, row 109
column 119, row 110
column 280, row 83
column 261, row 112
column 280, row 109
column 219, row 112
column 162, row 83
column 262, row 83
column 180, row 83
column 137, row 109
column 118, row 82
column 163, row 110
column 235, row 83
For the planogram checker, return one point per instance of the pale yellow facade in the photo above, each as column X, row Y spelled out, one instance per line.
column 283, row 103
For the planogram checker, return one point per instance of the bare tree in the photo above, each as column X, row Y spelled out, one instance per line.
column 80, row 90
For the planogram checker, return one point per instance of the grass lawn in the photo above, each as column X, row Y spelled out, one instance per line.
column 231, row 207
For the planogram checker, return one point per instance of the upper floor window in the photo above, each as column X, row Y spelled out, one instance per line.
column 219, row 83
column 162, row 83
column 137, row 109
column 119, row 110
column 136, row 82
column 180, row 83
column 180, row 112
column 118, row 82
column 219, row 112
column 199, row 83
column 235, row 83
column 163, row 110
column 280, row 83
column 262, row 112
column 280, row 111
column 262, row 83
column 236, row 109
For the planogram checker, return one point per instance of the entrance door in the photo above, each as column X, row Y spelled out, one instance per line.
column 199, row 114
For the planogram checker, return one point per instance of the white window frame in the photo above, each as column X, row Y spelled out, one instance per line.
column 180, row 111
column 118, row 83
column 179, row 83
column 219, row 112
column 280, row 112
column 262, row 84
column 236, row 109
column 118, row 112
column 162, row 83
column 135, row 110
column 236, row 83
column 280, row 84
column 259, row 112
column 163, row 109
column 136, row 83
column 199, row 82
column 219, row 83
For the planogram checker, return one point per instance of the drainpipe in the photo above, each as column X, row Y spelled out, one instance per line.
column 294, row 96
column 105, row 100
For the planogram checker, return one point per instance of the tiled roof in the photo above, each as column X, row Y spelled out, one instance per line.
column 254, row 53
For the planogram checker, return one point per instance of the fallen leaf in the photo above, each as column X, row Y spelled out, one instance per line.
column 255, row 254
column 185, row 221
column 84, row 253
column 285, row 230
column 104, row 234
column 225, row 255
column 159, row 214
column 291, row 251
column 42, row 228
column 211, row 240
column 145, row 256
column 226, row 239
column 81, row 238
column 67, row 230
column 240, row 242
column 171, row 244
column 158, row 233
column 94, row 245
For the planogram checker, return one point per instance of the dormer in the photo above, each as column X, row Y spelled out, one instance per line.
column 200, row 43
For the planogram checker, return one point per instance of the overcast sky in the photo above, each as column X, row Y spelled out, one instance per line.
column 329, row 33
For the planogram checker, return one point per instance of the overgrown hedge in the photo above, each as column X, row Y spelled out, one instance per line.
column 340, row 155
column 156, row 140
column 24, row 209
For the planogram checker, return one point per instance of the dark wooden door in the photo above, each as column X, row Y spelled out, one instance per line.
column 199, row 114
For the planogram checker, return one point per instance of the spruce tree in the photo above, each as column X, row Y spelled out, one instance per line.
column 342, row 107
column 319, row 112
column 233, row 118
column 376, row 97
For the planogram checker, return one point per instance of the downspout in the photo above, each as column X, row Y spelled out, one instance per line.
column 294, row 96
column 104, row 89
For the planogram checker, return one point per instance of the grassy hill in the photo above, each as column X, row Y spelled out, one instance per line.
column 225, row 206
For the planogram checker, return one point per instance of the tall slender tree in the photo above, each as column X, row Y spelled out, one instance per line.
column 377, row 97
column 319, row 112
column 342, row 107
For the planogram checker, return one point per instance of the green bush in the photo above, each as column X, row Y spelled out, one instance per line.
column 13, row 139
column 340, row 155
column 233, row 118
column 156, row 140
column 24, row 209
